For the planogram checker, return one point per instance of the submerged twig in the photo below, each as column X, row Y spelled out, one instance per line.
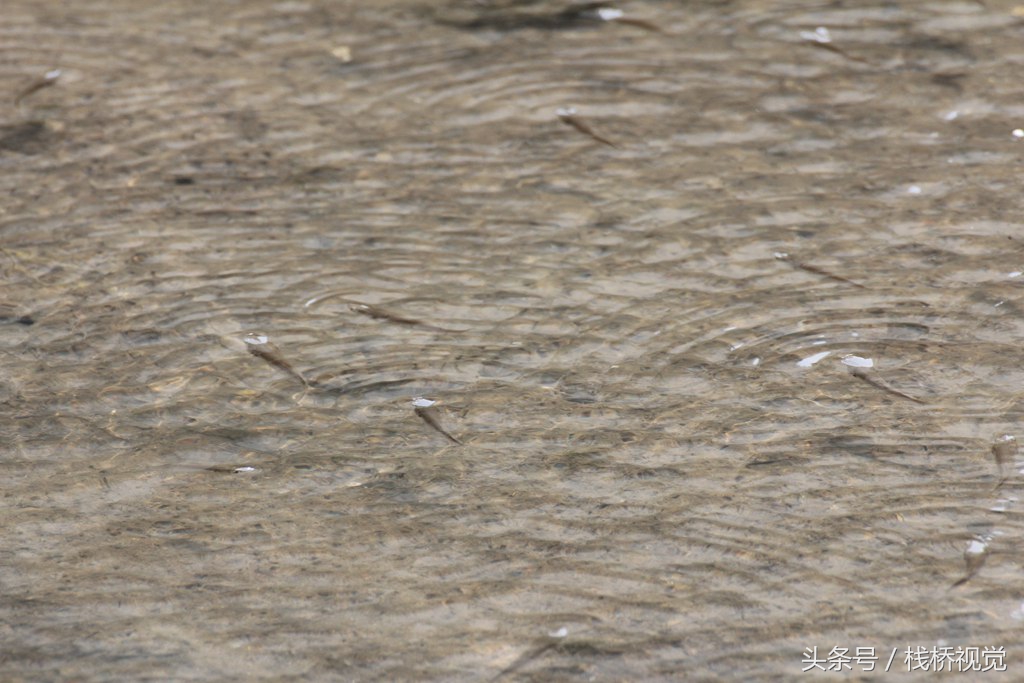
column 568, row 116
column 424, row 408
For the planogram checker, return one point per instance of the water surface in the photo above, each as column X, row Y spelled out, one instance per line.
column 668, row 472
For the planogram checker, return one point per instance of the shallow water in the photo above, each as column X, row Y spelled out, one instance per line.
column 664, row 475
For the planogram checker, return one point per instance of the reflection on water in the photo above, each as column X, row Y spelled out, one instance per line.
column 740, row 385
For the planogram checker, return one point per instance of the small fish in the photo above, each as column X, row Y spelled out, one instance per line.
column 525, row 658
column 861, row 374
column 381, row 314
column 783, row 256
column 836, row 50
column 241, row 469
column 48, row 79
column 617, row 15
column 639, row 23
column 260, row 347
column 322, row 297
column 506, row 17
column 425, row 409
column 1004, row 450
column 821, row 38
column 974, row 558
column 568, row 116
column 541, row 646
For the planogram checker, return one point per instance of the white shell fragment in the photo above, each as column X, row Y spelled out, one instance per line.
column 421, row 402
column 858, row 362
column 609, row 14
column 560, row 633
